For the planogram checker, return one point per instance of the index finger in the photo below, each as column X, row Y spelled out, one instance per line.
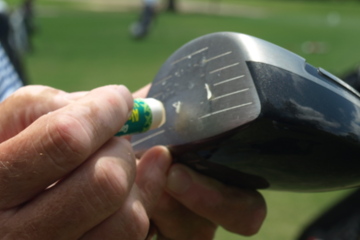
column 29, row 103
column 57, row 143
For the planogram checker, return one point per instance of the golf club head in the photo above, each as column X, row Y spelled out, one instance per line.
column 251, row 114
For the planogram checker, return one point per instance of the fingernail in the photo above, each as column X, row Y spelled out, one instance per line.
column 179, row 181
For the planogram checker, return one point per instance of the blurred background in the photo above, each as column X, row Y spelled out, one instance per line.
column 83, row 44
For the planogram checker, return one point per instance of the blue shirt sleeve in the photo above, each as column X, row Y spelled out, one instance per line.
column 9, row 79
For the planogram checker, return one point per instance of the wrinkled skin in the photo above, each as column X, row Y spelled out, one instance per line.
column 64, row 176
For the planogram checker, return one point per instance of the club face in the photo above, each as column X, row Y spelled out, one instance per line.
column 206, row 89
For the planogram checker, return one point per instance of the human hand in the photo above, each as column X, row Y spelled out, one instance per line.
column 193, row 206
column 62, row 173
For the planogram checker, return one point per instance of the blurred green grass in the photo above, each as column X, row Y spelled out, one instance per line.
column 80, row 49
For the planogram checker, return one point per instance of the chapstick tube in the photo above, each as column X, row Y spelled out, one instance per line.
column 147, row 114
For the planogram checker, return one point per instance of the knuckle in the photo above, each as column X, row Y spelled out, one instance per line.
column 66, row 140
column 120, row 102
column 18, row 97
column 113, row 191
column 25, row 90
column 33, row 90
column 114, row 175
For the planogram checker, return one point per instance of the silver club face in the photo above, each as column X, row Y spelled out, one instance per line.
column 207, row 90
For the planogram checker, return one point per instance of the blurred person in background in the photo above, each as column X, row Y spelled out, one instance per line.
column 23, row 18
column 16, row 31
column 142, row 26
column 9, row 55
column 23, row 26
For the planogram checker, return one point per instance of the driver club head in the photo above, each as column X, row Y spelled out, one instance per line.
column 252, row 114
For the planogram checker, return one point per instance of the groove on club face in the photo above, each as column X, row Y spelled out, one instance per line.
column 206, row 89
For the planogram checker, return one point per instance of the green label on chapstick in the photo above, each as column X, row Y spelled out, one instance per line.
column 139, row 121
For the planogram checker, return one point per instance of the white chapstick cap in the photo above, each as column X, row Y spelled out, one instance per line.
column 158, row 112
